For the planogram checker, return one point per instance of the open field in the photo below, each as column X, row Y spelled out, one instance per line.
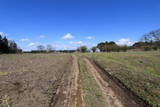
column 128, row 79
column 31, row 80
column 138, row 71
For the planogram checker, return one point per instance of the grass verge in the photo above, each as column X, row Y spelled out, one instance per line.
column 91, row 91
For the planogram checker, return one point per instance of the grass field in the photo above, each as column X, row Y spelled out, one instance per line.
column 139, row 71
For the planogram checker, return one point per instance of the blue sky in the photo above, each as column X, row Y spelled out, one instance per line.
column 67, row 24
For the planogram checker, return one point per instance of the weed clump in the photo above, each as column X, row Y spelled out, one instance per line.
column 5, row 101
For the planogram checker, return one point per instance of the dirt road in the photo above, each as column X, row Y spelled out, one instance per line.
column 57, row 83
column 109, row 95
column 69, row 92
column 114, row 95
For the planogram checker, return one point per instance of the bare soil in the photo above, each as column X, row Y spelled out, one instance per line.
column 69, row 93
column 33, row 80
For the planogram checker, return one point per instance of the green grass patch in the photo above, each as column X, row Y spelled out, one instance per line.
column 4, row 73
column 92, row 93
column 5, row 101
column 139, row 71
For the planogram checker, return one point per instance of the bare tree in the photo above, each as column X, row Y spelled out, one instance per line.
column 12, row 47
column 152, row 36
column 50, row 48
column 41, row 47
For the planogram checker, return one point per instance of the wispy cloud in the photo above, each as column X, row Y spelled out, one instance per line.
column 3, row 34
column 89, row 37
column 124, row 41
column 32, row 44
column 24, row 40
column 68, row 36
column 77, row 42
column 42, row 36
column 59, row 46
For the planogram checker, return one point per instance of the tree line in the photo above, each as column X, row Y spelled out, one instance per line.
column 149, row 41
column 49, row 49
column 8, row 46
column 104, row 47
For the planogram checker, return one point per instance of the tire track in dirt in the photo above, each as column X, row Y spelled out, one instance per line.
column 108, row 93
column 76, row 98
column 69, row 92
column 110, row 90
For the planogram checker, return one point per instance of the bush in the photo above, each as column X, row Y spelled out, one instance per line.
column 147, row 48
column 82, row 49
column 155, row 48
column 94, row 49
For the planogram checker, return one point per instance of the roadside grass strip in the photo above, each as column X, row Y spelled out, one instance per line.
column 91, row 91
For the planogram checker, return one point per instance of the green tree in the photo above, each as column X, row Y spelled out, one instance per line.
column 82, row 49
column 94, row 49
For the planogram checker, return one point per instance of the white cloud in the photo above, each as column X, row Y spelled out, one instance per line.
column 59, row 46
column 77, row 42
column 3, row 34
column 32, row 44
column 24, row 40
column 124, row 41
column 89, row 37
column 68, row 36
column 42, row 36
column 66, row 47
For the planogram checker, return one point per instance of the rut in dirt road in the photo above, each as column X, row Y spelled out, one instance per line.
column 108, row 93
column 69, row 94
column 112, row 93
